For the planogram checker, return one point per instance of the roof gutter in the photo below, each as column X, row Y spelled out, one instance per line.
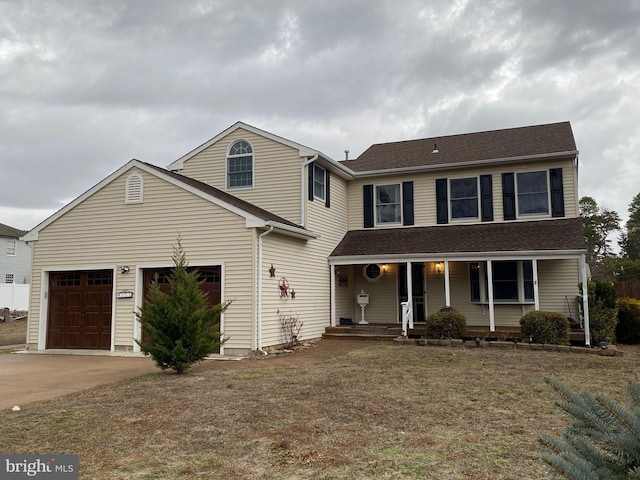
column 473, row 163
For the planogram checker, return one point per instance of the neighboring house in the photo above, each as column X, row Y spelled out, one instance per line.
column 486, row 223
column 15, row 256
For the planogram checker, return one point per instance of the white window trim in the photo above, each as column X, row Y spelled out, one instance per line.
column 11, row 247
column 253, row 165
column 533, row 215
column 131, row 196
column 464, row 219
column 368, row 278
column 484, row 287
column 375, row 205
column 324, row 183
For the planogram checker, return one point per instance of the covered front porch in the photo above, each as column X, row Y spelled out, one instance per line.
column 418, row 271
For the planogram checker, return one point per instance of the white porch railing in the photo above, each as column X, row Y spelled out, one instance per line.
column 14, row 296
column 407, row 317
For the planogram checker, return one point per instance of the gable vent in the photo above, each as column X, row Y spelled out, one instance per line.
column 134, row 189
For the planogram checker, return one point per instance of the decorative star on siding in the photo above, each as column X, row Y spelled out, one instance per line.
column 272, row 271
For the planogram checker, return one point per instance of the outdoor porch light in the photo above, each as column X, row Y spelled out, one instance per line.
column 438, row 267
column 124, row 269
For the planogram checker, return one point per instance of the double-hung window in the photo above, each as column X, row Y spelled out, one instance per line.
column 512, row 281
column 240, row 165
column 11, row 247
column 388, row 204
column 533, row 193
column 463, row 193
column 319, row 175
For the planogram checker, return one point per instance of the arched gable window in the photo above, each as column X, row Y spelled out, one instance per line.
column 134, row 189
column 240, row 165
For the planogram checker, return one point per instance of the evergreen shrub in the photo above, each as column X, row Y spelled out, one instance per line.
column 602, row 440
column 180, row 328
column 545, row 327
column 445, row 324
column 628, row 327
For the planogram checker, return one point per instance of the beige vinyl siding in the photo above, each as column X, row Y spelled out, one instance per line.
column 424, row 190
column 383, row 295
column 305, row 266
column 104, row 231
column 276, row 173
column 558, row 282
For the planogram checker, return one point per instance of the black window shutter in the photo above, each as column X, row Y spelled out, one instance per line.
column 407, row 203
column 441, row 201
column 557, row 193
column 508, row 196
column 310, row 166
column 486, row 198
column 367, row 199
column 327, row 190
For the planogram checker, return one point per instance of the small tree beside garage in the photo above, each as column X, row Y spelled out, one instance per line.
column 180, row 329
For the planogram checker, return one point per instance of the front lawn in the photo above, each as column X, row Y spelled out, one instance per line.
column 383, row 411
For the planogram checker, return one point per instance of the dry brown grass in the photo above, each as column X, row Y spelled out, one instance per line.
column 13, row 333
column 378, row 412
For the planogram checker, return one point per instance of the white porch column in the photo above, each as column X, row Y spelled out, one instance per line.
column 536, row 298
column 492, row 318
column 332, row 283
column 410, row 293
column 447, row 286
column 585, row 299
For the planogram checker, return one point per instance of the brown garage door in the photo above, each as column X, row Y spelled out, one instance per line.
column 209, row 276
column 80, row 310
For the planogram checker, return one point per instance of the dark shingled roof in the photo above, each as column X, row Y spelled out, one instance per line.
column 468, row 147
column 226, row 197
column 542, row 235
column 7, row 231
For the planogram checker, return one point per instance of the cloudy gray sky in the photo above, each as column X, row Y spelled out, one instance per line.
column 87, row 85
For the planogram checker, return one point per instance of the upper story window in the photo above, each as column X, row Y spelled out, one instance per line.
column 240, row 165
column 533, row 193
column 463, row 193
column 134, row 189
column 11, row 247
column 319, row 175
column 388, row 204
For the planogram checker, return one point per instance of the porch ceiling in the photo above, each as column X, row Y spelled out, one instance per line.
column 563, row 234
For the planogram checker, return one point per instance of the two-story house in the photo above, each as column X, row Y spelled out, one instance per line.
column 15, row 256
column 486, row 223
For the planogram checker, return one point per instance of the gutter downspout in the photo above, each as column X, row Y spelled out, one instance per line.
column 303, row 220
column 259, row 326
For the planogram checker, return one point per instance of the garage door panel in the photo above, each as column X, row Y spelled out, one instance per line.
column 80, row 306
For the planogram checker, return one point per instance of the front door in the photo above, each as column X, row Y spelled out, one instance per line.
column 417, row 286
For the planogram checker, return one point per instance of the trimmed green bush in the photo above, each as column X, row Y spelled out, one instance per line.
column 628, row 327
column 602, row 323
column 545, row 327
column 445, row 324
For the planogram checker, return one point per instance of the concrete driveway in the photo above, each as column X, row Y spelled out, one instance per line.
column 29, row 377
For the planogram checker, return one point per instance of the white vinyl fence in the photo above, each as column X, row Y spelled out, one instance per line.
column 14, row 296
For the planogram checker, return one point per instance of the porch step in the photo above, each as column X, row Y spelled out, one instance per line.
column 366, row 332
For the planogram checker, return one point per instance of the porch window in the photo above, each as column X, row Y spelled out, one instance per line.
column 512, row 282
column 463, row 193
column 388, row 204
column 372, row 272
column 533, row 193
